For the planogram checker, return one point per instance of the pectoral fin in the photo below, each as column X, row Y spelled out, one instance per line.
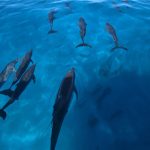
column 3, row 114
column 76, row 92
column 34, row 78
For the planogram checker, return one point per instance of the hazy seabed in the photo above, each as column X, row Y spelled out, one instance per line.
column 113, row 109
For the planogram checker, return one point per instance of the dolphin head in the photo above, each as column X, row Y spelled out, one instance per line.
column 82, row 22
column 107, row 25
column 51, row 15
column 29, row 53
column 81, row 19
column 71, row 73
column 11, row 67
column 14, row 62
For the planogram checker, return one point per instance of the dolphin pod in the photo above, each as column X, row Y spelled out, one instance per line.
column 24, row 75
column 51, row 17
column 60, row 109
column 23, row 66
column 22, row 78
column 82, row 26
column 20, row 87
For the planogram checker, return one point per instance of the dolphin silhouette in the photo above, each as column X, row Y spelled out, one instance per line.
column 23, row 66
column 112, row 32
column 61, row 105
column 82, row 26
column 14, row 95
column 51, row 18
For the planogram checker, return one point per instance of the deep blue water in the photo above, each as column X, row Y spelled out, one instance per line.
column 113, row 109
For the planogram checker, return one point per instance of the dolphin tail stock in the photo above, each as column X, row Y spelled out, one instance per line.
column 117, row 47
column 83, row 44
column 52, row 31
column 7, row 92
column 3, row 114
column 57, row 123
column 54, row 136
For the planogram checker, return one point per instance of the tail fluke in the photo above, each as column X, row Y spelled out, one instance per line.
column 7, row 92
column 3, row 114
column 52, row 31
column 117, row 47
column 1, row 84
column 83, row 44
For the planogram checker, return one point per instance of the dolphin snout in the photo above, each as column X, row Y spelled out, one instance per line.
column 73, row 69
column 30, row 53
column 71, row 73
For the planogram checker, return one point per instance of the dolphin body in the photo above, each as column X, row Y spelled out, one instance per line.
column 126, row 1
column 10, row 67
column 82, row 26
column 112, row 32
column 51, row 18
column 23, row 66
column 61, row 105
column 20, row 87
column 68, row 5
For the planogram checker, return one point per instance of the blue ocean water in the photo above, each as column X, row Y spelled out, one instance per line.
column 112, row 112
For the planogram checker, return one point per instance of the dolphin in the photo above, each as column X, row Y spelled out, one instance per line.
column 82, row 26
column 63, row 100
column 23, row 66
column 112, row 32
column 10, row 67
column 116, row 6
column 126, row 1
column 68, row 5
column 20, row 87
column 51, row 18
